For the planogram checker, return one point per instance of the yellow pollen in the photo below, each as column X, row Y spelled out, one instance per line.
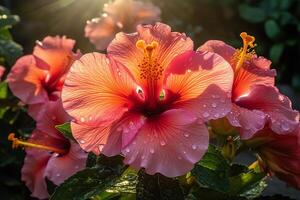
column 246, row 52
column 18, row 142
column 149, row 68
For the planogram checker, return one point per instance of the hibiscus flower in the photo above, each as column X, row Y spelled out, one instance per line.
column 149, row 99
column 255, row 100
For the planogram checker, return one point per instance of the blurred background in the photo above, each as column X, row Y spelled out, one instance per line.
column 274, row 23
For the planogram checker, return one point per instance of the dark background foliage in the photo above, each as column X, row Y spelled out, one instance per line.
column 274, row 23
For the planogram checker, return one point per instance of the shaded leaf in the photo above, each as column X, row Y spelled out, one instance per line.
column 65, row 129
column 156, row 187
column 276, row 52
column 272, row 29
column 252, row 14
column 212, row 170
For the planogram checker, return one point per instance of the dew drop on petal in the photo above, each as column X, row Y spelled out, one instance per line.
column 186, row 135
column 205, row 114
column 101, row 146
column 143, row 157
column 82, row 119
column 162, row 143
column 214, row 105
column 179, row 158
column 82, row 141
column 57, row 175
column 127, row 150
column 194, row 147
column 152, row 151
column 76, row 167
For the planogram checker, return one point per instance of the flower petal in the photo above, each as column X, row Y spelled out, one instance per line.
column 97, row 89
column 202, row 83
column 49, row 115
column 145, row 13
column 248, row 121
column 169, row 144
column 218, row 47
column 252, row 74
column 25, row 81
column 282, row 118
column 123, row 47
column 59, row 168
column 2, row 70
column 54, row 54
column 101, row 31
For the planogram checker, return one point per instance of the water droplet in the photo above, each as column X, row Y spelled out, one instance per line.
column 204, row 105
column 82, row 119
column 107, row 61
column 101, row 146
column 104, row 15
column 194, row 147
column 119, row 25
column 90, row 118
column 285, row 126
column 213, row 105
column 184, row 152
column 179, row 158
column 189, row 70
column 76, row 167
column 162, row 143
column 57, row 175
column 217, row 115
column 143, row 157
column 152, row 151
column 186, row 135
column 82, row 141
column 55, row 154
column 127, row 150
column 205, row 114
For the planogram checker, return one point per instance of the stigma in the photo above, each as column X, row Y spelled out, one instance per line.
column 149, row 68
column 23, row 143
column 245, row 53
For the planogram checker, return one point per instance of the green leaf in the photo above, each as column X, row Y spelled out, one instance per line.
column 212, row 170
column 3, row 90
column 65, row 129
column 251, row 14
column 151, row 187
column 8, row 20
column 272, row 29
column 90, row 181
column 276, row 52
column 249, row 184
column 10, row 50
column 91, row 160
column 5, row 34
column 50, row 186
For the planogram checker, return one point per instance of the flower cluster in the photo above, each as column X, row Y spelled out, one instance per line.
column 37, row 80
column 152, row 98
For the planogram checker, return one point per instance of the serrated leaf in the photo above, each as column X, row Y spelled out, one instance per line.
column 212, row 170
column 252, row 14
column 276, row 52
column 150, row 187
column 65, row 129
column 272, row 29
column 90, row 181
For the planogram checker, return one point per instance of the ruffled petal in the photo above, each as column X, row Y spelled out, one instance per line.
column 33, row 173
column 123, row 47
column 59, row 168
column 169, row 144
column 248, row 121
column 255, row 73
column 201, row 83
column 26, row 81
column 282, row 118
column 47, row 116
column 97, row 90
column 218, row 47
column 101, row 31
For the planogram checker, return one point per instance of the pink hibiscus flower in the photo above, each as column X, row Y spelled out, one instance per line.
column 48, row 154
column 120, row 15
column 39, row 77
column 148, row 98
column 279, row 154
column 2, row 70
column 256, row 101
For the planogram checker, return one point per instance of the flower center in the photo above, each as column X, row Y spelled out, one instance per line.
column 18, row 142
column 246, row 52
column 150, row 72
